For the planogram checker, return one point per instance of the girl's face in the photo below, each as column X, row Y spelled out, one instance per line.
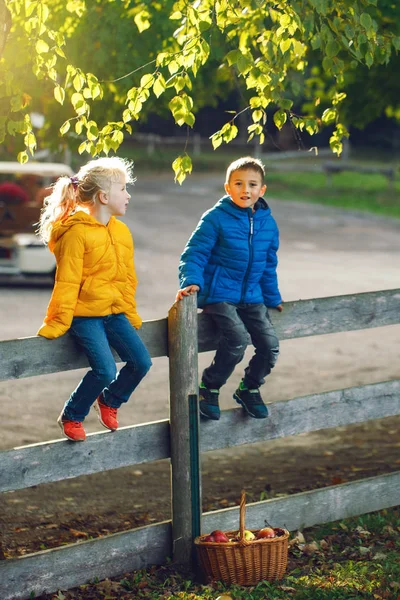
column 117, row 198
column 245, row 187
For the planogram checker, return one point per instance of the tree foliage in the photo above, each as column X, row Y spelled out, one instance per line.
column 264, row 46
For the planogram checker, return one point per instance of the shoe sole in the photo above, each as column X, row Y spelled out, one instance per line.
column 216, row 418
column 59, row 421
column 242, row 404
column 97, row 409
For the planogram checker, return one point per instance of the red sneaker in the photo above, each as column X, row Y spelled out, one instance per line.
column 107, row 415
column 73, row 430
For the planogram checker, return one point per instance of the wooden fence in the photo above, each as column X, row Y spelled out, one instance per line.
column 180, row 438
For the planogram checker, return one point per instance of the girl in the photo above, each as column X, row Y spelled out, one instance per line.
column 94, row 291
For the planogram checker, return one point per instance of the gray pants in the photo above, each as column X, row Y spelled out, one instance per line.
column 237, row 324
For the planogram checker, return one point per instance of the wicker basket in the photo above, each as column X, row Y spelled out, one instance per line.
column 244, row 562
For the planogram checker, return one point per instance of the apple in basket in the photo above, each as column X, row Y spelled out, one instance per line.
column 266, row 532
column 216, row 536
column 249, row 535
column 219, row 536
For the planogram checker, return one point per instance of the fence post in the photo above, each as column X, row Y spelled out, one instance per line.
column 184, row 422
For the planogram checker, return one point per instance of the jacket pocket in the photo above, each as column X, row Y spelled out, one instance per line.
column 85, row 286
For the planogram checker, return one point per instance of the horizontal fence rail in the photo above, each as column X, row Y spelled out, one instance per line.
column 143, row 547
column 50, row 461
column 27, row 357
column 69, row 566
column 322, row 505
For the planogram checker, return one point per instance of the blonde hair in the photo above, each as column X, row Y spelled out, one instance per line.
column 246, row 163
column 81, row 190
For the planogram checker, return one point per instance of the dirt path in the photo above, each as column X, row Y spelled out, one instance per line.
column 323, row 252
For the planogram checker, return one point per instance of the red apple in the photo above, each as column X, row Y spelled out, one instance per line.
column 219, row 536
column 266, row 532
column 208, row 538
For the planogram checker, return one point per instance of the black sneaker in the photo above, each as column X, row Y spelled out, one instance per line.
column 208, row 403
column 252, row 402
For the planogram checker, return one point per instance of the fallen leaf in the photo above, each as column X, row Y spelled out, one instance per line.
column 77, row 533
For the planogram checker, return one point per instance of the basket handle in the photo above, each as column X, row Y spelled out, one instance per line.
column 242, row 540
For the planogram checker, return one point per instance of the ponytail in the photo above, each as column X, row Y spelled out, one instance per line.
column 58, row 206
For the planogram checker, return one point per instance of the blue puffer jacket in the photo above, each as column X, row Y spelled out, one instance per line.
column 232, row 257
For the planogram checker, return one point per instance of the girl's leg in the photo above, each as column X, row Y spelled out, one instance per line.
column 231, row 346
column 91, row 336
column 124, row 338
column 265, row 342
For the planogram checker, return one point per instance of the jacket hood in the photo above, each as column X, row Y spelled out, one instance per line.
column 226, row 203
column 61, row 227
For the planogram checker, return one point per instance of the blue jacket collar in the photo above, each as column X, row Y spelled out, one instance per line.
column 261, row 207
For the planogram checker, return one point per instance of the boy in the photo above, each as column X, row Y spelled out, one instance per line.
column 230, row 260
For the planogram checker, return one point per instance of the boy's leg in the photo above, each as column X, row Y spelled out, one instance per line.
column 91, row 336
column 265, row 342
column 124, row 338
column 232, row 343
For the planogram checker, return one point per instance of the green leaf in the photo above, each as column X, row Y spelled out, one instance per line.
column 284, row 45
column 280, row 118
column 82, row 147
column 22, row 157
column 329, row 116
column 59, row 94
column 396, row 42
column 232, row 57
column 216, row 140
column 332, row 49
column 142, row 20
column 182, row 166
column 159, row 86
column 369, row 59
column 41, row 47
column 366, row 20
column 78, row 82
column 147, row 81
column 65, row 127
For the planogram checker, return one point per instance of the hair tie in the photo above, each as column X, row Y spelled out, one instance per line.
column 75, row 181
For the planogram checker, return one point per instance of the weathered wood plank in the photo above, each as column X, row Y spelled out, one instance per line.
column 76, row 564
column 26, row 357
column 323, row 505
column 323, row 315
column 62, row 568
column 43, row 463
column 54, row 461
column 305, row 414
column 183, row 378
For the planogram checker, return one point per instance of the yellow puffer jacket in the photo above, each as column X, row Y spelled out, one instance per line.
column 95, row 273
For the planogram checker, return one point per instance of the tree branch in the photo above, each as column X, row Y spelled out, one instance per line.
column 5, row 25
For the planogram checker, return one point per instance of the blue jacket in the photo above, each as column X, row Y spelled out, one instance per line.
column 232, row 257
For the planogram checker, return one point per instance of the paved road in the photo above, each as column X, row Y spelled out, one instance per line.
column 324, row 252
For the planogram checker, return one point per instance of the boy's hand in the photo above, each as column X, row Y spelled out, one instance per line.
column 187, row 291
column 279, row 308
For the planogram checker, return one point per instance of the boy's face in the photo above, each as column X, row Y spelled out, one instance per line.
column 245, row 186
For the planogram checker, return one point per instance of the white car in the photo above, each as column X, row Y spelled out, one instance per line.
column 21, row 251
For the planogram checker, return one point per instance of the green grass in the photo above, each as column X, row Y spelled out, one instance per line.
column 349, row 190
column 348, row 560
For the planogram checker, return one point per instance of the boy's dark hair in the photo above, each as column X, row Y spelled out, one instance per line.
column 243, row 164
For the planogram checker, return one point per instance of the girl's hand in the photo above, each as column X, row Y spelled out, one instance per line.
column 187, row 291
column 279, row 308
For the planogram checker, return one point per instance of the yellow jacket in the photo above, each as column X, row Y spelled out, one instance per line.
column 95, row 273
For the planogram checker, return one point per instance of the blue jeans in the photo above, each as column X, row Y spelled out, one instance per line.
column 236, row 325
column 95, row 335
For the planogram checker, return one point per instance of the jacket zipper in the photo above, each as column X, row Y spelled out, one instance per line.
column 250, row 260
